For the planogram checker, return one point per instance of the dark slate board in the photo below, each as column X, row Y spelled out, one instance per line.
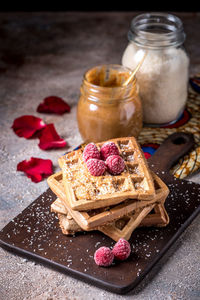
column 35, row 232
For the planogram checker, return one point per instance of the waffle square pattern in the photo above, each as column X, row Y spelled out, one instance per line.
column 85, row 191
column 91, row 219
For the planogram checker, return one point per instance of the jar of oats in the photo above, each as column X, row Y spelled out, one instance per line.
column 163, row 76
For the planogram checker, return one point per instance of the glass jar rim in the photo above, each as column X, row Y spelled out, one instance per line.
column 113, row 66
column 156, row 30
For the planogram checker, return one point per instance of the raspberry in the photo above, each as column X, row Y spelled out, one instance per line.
column 122, row 249
column 91, row 151
column 115, row 164
column 96, row 167
column 103, row 257
column 108, row 148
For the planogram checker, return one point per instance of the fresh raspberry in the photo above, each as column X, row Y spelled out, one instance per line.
column 108, row 148
column 96, row 167
column 122, row 249
column 103, row 257
column 115, row 164
column 91, row 151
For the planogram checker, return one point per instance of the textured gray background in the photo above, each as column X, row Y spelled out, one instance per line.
column 44, row 54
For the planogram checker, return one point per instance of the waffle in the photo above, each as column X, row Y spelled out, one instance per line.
column 158, row 218
column 85, row 191
column 68, row 225
column 152, row 215
column 97, row 217
column 58, row 207
column 123, row 228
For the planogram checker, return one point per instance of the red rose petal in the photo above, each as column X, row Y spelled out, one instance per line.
column 53, row 104
column 26, row 126
column 50, row 139
column 36, row 168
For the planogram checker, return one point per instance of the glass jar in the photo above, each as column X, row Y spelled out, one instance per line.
column 106, row 109
column 163, row 76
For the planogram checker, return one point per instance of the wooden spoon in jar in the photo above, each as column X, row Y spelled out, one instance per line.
column 136, row 69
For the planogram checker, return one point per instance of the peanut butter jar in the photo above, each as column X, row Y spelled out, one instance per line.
column 107, row 109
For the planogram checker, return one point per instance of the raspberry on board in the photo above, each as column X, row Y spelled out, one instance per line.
column 96, row 167
column 103, row 256
column 91, row 151
column 108, row 148
column 115, row 164
column 122, row 249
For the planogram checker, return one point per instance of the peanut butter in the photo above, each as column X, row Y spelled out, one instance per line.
column 106, row 108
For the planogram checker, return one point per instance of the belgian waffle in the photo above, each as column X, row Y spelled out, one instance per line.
column 85, row 191
column 159, row 217
column 68, row 225
column 124, row 227
column 97, row 217
column 152, row 215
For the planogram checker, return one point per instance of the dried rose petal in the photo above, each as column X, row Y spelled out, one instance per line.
column 26, row 126
column 49, row 138
column 53, row 104
column 36, row 168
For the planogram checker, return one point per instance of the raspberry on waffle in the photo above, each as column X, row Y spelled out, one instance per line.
column 85, row 191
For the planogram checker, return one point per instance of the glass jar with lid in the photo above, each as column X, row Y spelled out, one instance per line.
column 107, row 109
column 163, row 76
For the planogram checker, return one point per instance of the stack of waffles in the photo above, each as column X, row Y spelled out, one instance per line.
column 113, row 204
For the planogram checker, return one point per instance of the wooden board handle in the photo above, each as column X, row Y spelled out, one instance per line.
column 171, row 150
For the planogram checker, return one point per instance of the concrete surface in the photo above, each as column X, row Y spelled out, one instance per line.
column 44, row 54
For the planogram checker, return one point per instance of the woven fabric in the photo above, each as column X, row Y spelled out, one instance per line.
column 151, row 138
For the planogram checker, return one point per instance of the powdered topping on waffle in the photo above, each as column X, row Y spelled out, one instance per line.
column 99, row 199
column 83, row 189
column 96, row 217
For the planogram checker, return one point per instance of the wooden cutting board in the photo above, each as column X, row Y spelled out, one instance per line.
column 35, row 232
